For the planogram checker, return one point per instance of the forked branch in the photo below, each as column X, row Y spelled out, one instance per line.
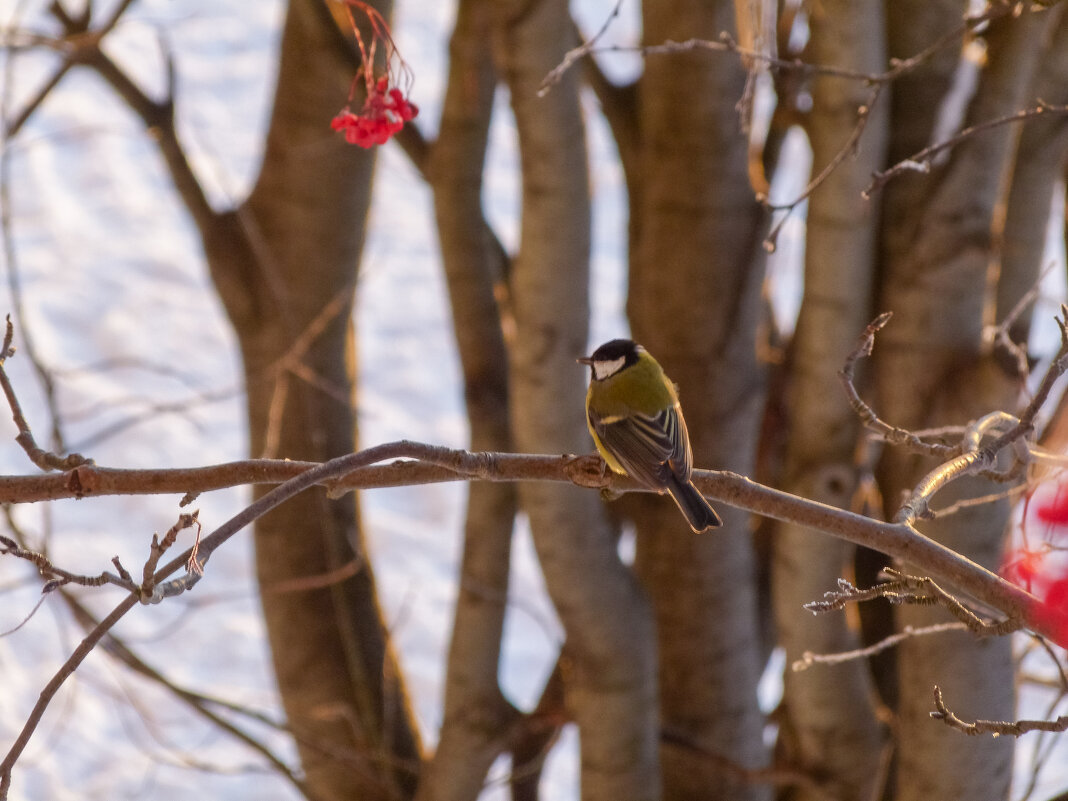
column 999, row 430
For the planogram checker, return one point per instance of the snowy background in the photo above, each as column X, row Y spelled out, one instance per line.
column 117, row 304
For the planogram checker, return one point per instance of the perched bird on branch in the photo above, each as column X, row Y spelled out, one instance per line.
column 633, row 413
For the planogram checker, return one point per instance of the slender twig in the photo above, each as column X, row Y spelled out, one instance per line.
column 971, row 503
column 7, row 234
column 85, row 647
column 159, row 547
column 27, row 617
column 46, row 460
column 999, row 334
column 868, row 417
column 902, row 588
column 876, row 81
column 727, row 44
column 201, row 704
column 847, row 149
column 78, row 42
column 576, row 53
column 808, row 659
column 922, row 159
column 969, row 456
column 54, row 575
column 996, row 728
column 1057, row 368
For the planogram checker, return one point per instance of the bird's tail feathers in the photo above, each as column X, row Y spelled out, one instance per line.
column 699, row 514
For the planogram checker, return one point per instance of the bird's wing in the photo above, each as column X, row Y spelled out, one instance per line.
column 649, row 448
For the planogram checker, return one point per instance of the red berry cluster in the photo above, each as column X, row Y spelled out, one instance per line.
column 387, row 106
column 383, row 114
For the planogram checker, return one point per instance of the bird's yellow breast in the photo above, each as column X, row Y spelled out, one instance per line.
column 641, row 388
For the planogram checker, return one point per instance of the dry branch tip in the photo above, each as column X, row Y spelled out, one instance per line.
column 994, row 728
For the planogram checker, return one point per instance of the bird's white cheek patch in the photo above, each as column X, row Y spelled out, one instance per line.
column 601, row 370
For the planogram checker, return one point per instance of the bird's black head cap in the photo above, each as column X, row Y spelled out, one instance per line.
column 617, row 349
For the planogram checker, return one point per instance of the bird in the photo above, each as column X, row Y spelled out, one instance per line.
column 634, row 417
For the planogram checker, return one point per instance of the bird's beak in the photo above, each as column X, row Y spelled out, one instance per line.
column 584, row 360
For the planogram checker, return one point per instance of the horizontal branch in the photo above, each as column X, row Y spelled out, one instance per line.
column 423, row 464
column 91, row 480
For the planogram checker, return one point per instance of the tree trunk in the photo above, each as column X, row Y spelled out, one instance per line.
column 1041, row 158
column 608, row 663
column 285, row 267
column 694, row 302
column 932, row 370
column 829, row 724
column 477, row 717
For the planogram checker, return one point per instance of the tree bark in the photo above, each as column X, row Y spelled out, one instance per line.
column 1041, row 159
column 932, row 369
column 477, row 717
column 694, row 302
column 830, row 728
column 609, row 662
column 285, row 266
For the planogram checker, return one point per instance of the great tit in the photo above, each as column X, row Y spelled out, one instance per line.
column 634, row 417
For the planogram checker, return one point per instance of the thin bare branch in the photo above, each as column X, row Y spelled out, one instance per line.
column 969, row 503
column 85, row 647
column 203, row 705
column 996, row 728
column 921, row 160
column 847, row 149
column 1057, row 368
column 876, row 81
column 969, row 456
column 808, row 659
column 78, row 44
column 868, row 417
column 727, row 44
column 905, row 589
column 56, row 576
column 160, row 547
column 576, row 53
column 46, row 460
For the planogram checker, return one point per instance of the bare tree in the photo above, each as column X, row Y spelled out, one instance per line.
column 939, row 220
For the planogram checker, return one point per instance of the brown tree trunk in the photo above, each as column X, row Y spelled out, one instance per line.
column 694, row 302
column 608, row 664
column 1041, row 158
column 830, row 728
column 285, row 267
column 476, row 717
column 932, row 369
